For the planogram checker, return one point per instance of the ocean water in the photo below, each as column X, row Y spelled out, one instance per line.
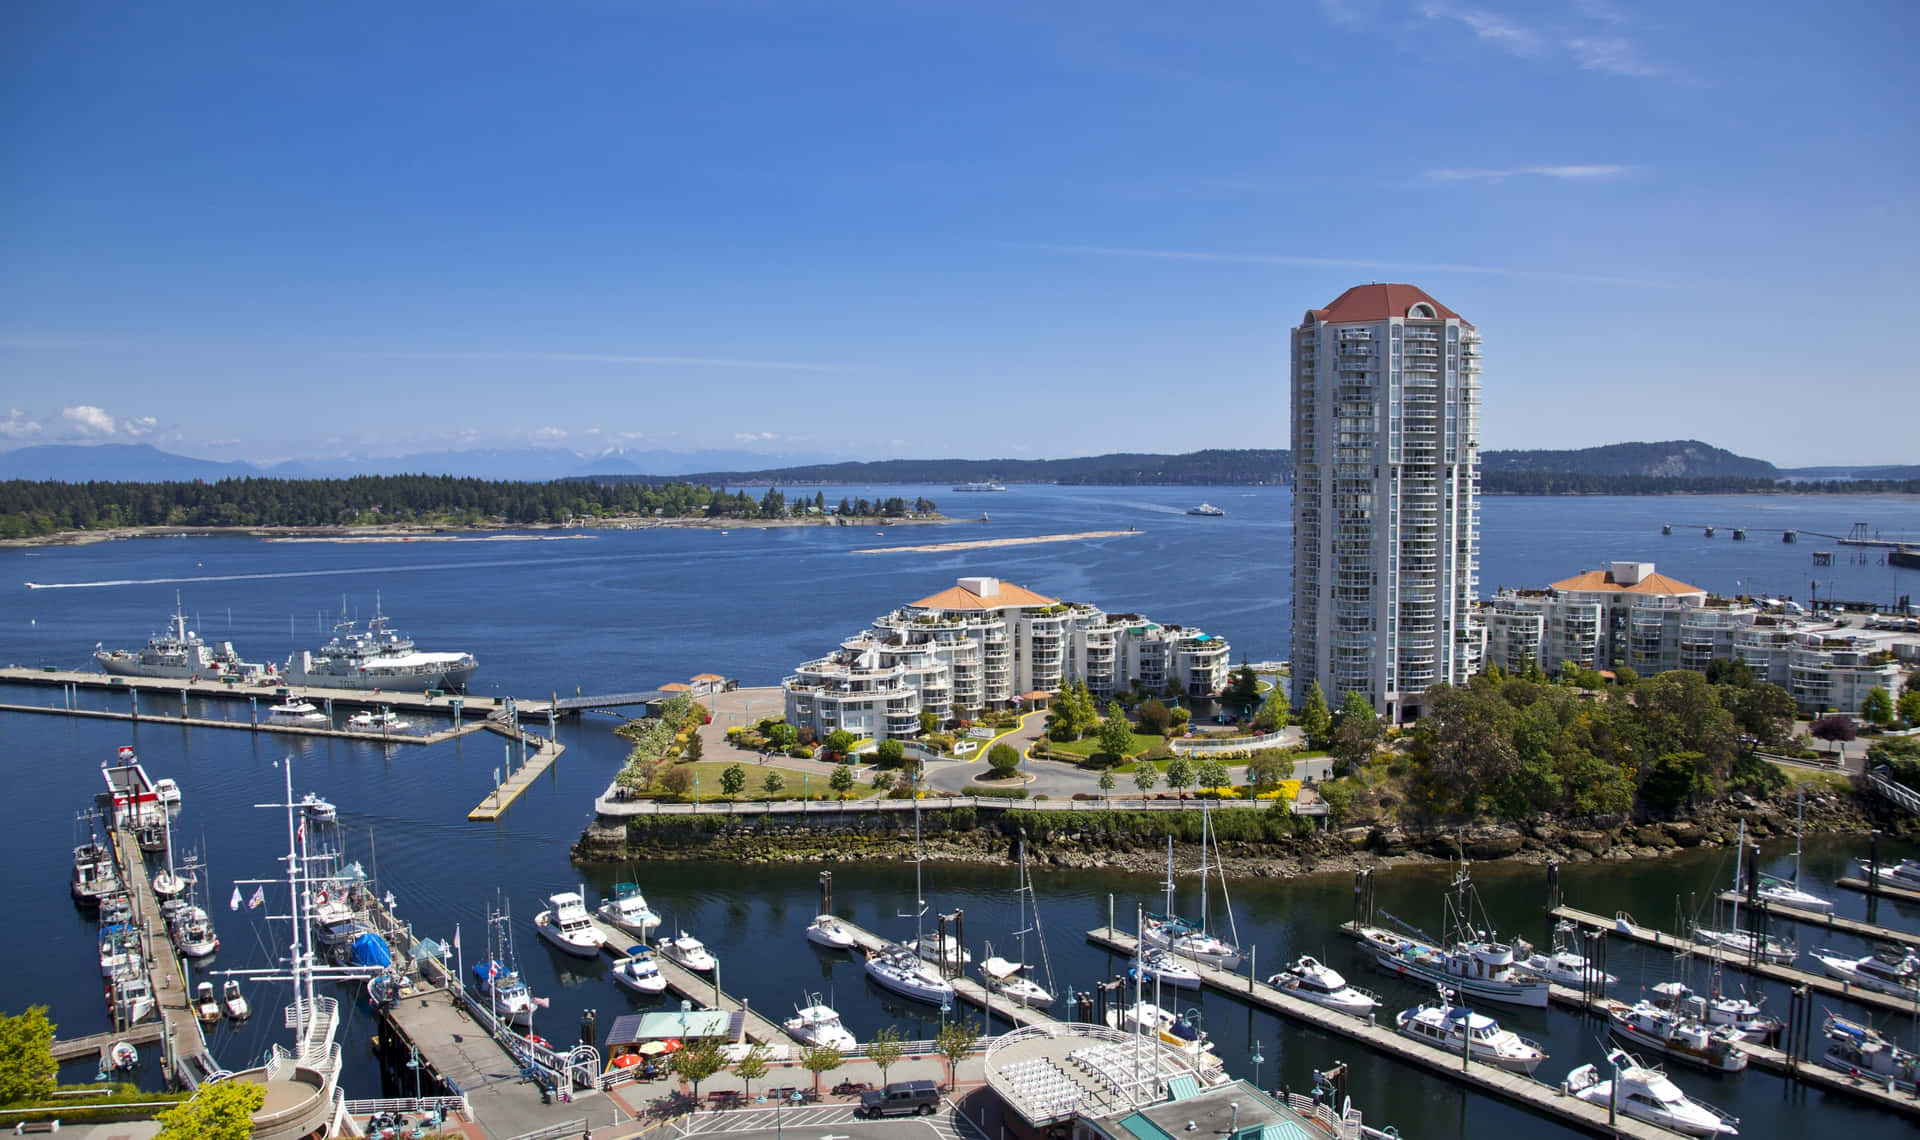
column 618, row 610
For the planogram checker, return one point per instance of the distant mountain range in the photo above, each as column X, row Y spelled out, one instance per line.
column 1673, row 460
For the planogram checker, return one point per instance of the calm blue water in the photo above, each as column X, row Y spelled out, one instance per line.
column 632, row 610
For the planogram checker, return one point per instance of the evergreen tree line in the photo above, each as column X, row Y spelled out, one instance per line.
column 28, row 508
column 1577, row 483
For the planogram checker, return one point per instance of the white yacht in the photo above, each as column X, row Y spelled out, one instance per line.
column 1904, row 874
column 1564, row 964
column 1323, row 985
column 627, row 910
column 1005, row 978
column 896, row 967
column 1442, row 1024
column 386, row 720
column 234, row 1002
column 639, row 972
column 1155, row 1022
column 296, row 711
column 565, row 924
column 1856, row 1048
column 1678, row 1036
column 1646, row 1094
column 687, row 951
column 167, row 790
column 828, row 931
column 1158, row 965
column 943, row 950
column 317, row 809
column 1723, row 1010
column 818, row 1024
column 1888, row 970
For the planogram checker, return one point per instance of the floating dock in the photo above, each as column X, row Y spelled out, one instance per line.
column 1785, row 974
column 183, row 1044
column 531, row 768
column 703, row 992
column 74, row 1048
column 1828, row 921
column 1880, row 890
column 964, row 988
column 1522, row 1090
column 287, row 729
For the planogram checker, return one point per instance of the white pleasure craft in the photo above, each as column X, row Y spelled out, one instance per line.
column 317, row 809
column 934, row 947
column 504, row 992
column 818, row 1024
column 688, row 951
column 235, row 1002
column 1158, row 965
column 896, row 967
column 297, row 712
column 1324, row 985
column 829, row 932
column 167, row 791
column 565, row 924
column 1563, row 964
column 1646, row 1094
column 386, row 720
column 1445, row 1025
column 1737, row 1013
column 627, row 911
column 1005, row 978
column 1887, row 970
column 639, row 972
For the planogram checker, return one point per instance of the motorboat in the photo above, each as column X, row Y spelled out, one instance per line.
column 386, row 720
column 1006, row 979
column 123, row 1055
column 1207, row 511
column 1787, row 892
column 317, row 809
column 167, row 790
column 1646, row 1094
column 1861, row 1050
column 565, row 924
column 1158, row 965
column 943, row 950
column 829, row 932
column 192, row 931
column 296, row 712
column 626, row 910
column 1678, row 1036
column 1446, row 1026
column 897, row 968
column 151, row 834
column 1309, row 980
column 1563, row 964
column 130, row 994
column 817, row 1024
column 503, row 992
column 1472, row 961
column 639, row 972
column 119, row 946
column 689, row 952
column 206, row 1007
column 1888, row 970
column 1904, row 874
column 386, row 988
column 1738, row 1013
column 1158, row 1023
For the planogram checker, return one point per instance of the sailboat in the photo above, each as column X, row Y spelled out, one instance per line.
column 899, row 967
column 167, row 884
column 1006, row 978
column 1787, row 892
column 1184, row 937
column 1736, row 940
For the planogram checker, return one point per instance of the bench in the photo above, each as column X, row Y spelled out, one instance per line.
column 34, row 1127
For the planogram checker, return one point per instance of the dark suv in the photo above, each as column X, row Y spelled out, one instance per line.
column 900, row 1098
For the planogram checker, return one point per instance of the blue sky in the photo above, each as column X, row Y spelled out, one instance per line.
column 877, row 229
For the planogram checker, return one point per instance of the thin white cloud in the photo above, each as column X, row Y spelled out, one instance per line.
column 17, row 426
column 754, row 436
column 1591, row 40
column 143, row 425
column 607, row 358
column 1565, row 173
column 1489, row 27
column 90, row 420
column 1610, row 54
column 547, row 434
column 1392, row 267
column 1602, row 11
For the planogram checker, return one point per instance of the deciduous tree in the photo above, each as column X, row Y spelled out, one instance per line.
column 222, row 1110
column 1154, row 717
column 1214, row 774
column 1272, row 716
column 1179, row 775
column 1004, row 759
column 885, row 1050
column 773, row 781
column 839, row 742
column 956, row 1042
column 1357, row 731
column 696, row 1061
column 1116, row 736
column 27, row 1068
column 1877, row 706
column 751, row 1067
column 841, row 781
column 1145, row 776
column 817, row 1059
column 733, row 780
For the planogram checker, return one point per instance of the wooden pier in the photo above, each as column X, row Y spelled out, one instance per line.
column 174, row 687
column 1785, row 974
column 703, row 992
column 1481, row 1077
column 964, row 988
column 1829, row 921
column 183, row 1043
column 74, row 1048
column 1879, row 890
column 501, row 798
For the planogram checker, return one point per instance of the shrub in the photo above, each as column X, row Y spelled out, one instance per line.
column 889, row 753
column 1004, row 759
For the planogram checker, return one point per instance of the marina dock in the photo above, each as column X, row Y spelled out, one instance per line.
column 966, row 989
column 74, row 1048
column 183, row 1046
column 1785, row 974
column 287, row 729
column 531, row 768
column 1880, row 890
column 703, row 992
column 396, row 699
column 1525, row 1091
column 1827, row 921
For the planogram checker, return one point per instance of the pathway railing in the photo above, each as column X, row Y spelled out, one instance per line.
column 1208, row 745
column 1901, row 795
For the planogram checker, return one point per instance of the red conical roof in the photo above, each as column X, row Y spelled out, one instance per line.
column 1378, row 303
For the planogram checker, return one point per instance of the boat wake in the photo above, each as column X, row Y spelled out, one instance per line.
column 106, row 583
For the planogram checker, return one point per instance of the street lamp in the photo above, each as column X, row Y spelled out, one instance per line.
column 1258, row 1061
column 946, row 1007
column 414, row 1064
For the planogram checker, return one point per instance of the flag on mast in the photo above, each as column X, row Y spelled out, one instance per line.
column 234, row 904
column 456, row 938
column 259, row 898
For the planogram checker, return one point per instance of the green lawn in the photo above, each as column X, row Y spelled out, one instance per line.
column 1091, row 745
column 813, row 783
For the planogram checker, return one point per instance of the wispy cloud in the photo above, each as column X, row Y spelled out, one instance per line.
column 607, row 358
column 1490, row 27
column 754, row 436
column 1611, row 54
column 1567, row 173
column 547, row 434
column 18, row 425
column 1396, row 267
column 1591, row 39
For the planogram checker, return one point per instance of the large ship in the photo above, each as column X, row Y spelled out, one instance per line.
column 179, row 652
column 377, row 658
column 979, row 487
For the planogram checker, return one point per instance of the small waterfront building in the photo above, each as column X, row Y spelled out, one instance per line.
column 981, row 645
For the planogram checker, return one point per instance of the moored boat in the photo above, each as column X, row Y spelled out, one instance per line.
column 1157, row 965
column 1888, row 970
column 1563, row 964
column 386, row 720
column 565, row 925
column 206, row 1007
column 294, row 711
column 1677, row 1035
column 378, row 658
column 1442, row 1024
column 1857, row 1048
column 1721, row 1010
column 817, row 1023
column 1308, row 979
column 827, row 931
column 178, row 653
column 639, row 972
column 1646, row 1094
column 897, row 968
column 687, row 951
column 1158, row 1023
column 626, row 910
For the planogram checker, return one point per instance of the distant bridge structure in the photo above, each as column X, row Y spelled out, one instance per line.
column 645, row 699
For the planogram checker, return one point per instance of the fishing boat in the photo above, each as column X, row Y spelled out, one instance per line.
column 818, row 1024
column 1645, row 1093
column 1787, row 892
column 1739, row 1014
column 1747, row 944
column 1888, row 970
column 1444, row 1025
column 130, row 995
column 626, row 910
column 689, row 952
column 1472, row 960
column 206, row 1007
column 827, row 931
column 94, row 875
column 1859, row 1049
column 317, row 809
column 1677, row 1035
column 1153, row 963
column 1563, row 964
column 497, row 980
column 294, row 711
column 118, row 945
column 1186, row 938
column 898, row 968
column 192, row 931
column 639, row 972
column 566, row 926
column 386, row 720
column 1308, row 979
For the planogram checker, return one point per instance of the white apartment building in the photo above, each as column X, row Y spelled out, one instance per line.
column 1386, row 452
column 985, row 644
column 1631, row 615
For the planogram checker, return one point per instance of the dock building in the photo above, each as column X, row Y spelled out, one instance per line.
column 984, row 644
column 1386, row 524
column 1630, row 614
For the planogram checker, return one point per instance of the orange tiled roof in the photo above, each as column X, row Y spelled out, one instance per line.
column 961, row 598
column 675, row 687
column 708, row 677
column 1378, row 303
column 1602, row 580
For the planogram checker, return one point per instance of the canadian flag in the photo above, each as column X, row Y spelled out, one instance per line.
column 303, row 831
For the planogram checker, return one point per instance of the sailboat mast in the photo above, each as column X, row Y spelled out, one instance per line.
column 1203, row 866
column 919, row 889
column 1799, row 825
column 1739, row 857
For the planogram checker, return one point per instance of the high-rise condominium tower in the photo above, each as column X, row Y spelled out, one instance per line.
column 1386, row 523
